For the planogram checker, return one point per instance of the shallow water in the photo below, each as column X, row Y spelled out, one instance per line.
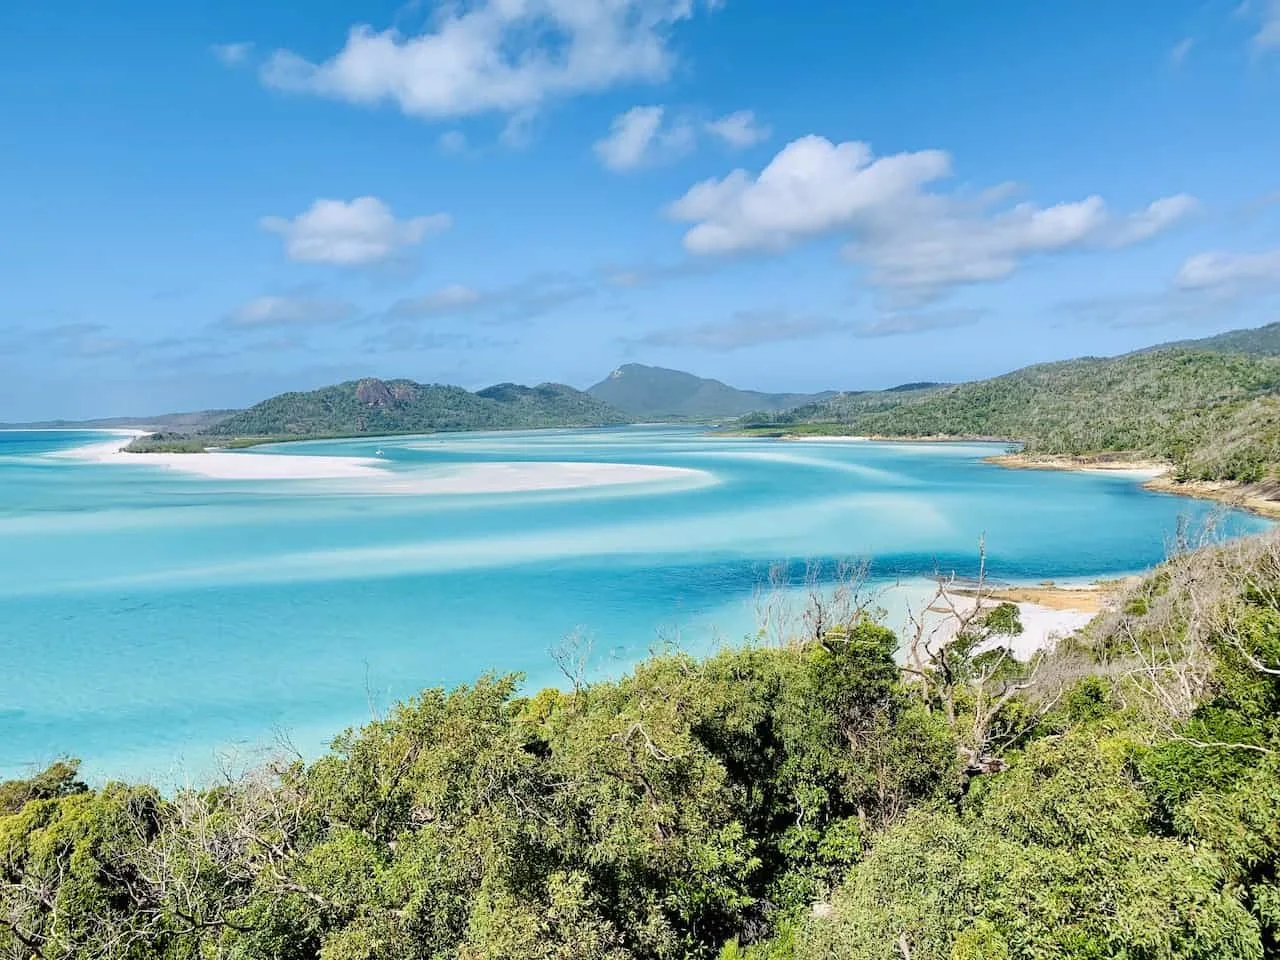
column 149, row 619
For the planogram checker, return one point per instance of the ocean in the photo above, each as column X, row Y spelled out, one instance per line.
column 157, row 623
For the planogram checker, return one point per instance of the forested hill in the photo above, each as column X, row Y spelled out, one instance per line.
column 1214, row 415
column 1258, row 341
column 657, row 393
column 401, row 406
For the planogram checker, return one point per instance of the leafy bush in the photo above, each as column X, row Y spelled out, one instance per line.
column 794, row 802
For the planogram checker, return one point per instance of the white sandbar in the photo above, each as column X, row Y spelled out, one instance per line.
column 374, row 477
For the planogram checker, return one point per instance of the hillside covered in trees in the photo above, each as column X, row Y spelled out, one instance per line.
column 799, row 799
column 372, row 406
column 658, row 393
column 402, row 406
column 1261, row 341
column 1216, row 416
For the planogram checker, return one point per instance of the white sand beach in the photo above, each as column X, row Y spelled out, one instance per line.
column 371, row 475
column 866, row 438
column 1138, row 473
column 1042, row 626
column 821, row 438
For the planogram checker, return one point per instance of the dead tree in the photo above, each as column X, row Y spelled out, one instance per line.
column 959, row 660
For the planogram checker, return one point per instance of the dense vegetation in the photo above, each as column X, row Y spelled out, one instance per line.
column 1214, row 415
column 658, row 393
column 1258, row 341
column 165, row 441
column 402, row 406
column 394, row 406
column 806, row 799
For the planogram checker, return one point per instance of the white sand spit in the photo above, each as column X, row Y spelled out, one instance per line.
column 100, row 452
column 371, row 475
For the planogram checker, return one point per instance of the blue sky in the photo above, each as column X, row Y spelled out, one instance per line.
column 205, row 204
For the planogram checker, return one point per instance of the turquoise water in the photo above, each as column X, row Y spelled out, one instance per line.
column 149, row 619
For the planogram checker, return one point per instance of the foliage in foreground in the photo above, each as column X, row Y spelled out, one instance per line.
column 790, row 802
column 1141, row 821
column 660, row 815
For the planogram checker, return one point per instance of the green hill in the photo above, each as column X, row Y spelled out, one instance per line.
column 401, row 406
column 657, row 393
column 1257, row 341
column 1215, row 415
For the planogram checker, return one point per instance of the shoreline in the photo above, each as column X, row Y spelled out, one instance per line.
column 1253, row 498
column 1087, row 598
column 1072, row 464
column 877, row 438
column 1258, row 499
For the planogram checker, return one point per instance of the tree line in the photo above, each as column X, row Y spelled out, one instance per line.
column 805, row 795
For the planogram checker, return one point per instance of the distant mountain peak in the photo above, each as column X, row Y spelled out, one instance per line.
column 658, row 392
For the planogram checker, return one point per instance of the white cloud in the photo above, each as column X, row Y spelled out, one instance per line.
column 740, row 129
column 278, row 311
column 1267, row 38
column 494, row 55
column 1156, row 218
column 1223, row 271
column 746, row 328
column 810, row 187
column 1179, row 51
column 638, row 137
column 533, row 297
column 1206, row 287
column 452, row 299
column 904, row 324
column 455, row 295
column 753, row 328
column 647, row 135
column 356, row 233
column 907, row 235
column 940, row 247
column 452, row 142
column 517, row 132
column 232, row 54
